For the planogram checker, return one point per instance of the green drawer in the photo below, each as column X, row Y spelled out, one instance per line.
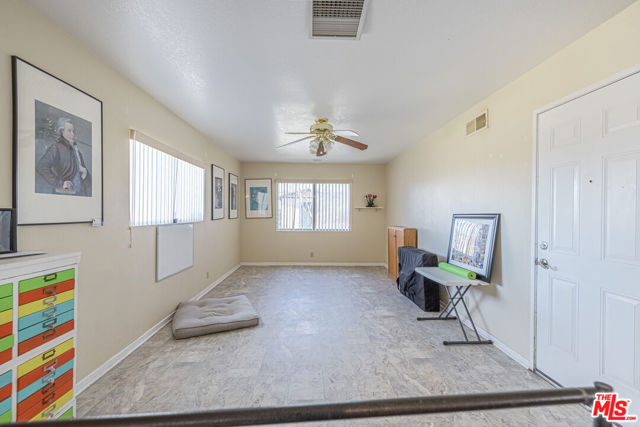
column 6, row 417
column 6, row 303
column 68, row 414
column 46, row 280
column 6, row 342
column 6, row 290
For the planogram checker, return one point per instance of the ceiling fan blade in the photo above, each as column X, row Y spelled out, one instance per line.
column 297, row 140
column 298, row 133
column 347, row 132
column 351, row 143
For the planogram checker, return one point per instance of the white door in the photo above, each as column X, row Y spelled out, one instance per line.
column 588, row 296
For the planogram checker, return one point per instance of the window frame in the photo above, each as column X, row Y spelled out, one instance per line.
column 314, row 182
column 137, row 136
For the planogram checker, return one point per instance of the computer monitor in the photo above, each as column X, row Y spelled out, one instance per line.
column 7, row 230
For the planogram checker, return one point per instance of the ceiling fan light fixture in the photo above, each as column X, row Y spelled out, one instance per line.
column 324, row 138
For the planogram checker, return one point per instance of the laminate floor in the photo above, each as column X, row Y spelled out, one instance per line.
column 326, row 334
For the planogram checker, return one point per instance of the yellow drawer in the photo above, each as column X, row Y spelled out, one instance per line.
column 41, row 359
column 50, row 410
column 32, row 307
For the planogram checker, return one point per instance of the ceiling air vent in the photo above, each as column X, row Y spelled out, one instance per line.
column 479, row 123
column 338, row 18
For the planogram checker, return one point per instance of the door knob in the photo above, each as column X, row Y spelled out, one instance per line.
column 542, row 262
column 544, row 246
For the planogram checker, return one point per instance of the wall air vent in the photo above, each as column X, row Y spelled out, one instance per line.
column 481, row 122
column 338, row 18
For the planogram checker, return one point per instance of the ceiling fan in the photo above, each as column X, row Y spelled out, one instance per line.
column 323, row 136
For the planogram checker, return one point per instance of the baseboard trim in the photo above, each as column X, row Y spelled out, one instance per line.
column 499, row 344
column 318, row 264
column 214, row 284
column 117, row 358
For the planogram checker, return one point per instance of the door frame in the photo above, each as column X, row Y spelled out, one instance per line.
column 533, row 351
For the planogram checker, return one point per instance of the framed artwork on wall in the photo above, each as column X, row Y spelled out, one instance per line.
column 217, row 192
column 57, row 147
column 257, row 193
column 472, row 243
column 233, row 196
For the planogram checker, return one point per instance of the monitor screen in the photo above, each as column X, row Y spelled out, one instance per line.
column 7, row 231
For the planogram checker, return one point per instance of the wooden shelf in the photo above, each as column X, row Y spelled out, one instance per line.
column 365, row 207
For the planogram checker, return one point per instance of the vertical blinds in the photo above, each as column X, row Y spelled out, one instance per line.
column 333, row 207
column 163, row 188
column 313, row 206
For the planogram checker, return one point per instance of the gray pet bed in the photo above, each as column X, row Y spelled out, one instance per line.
column 210, row 315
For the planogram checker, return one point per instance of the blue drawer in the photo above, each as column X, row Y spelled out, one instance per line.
column 5, row 405
column 39, row 328
column 5, row 379
column 38, row 317
column 37, row 385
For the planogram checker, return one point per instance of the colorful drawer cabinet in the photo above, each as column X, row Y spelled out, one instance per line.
column 6, row 322
column 6, row 388
column 38, row 306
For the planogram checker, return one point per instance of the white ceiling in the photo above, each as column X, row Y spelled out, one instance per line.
column 244, row 71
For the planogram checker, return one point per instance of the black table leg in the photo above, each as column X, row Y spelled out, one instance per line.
column 454, row 303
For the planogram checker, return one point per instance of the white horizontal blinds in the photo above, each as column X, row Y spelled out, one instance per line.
column 163, row 188
column 294, row 206
column 333, row 206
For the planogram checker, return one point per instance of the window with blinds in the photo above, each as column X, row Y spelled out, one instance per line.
column 163, row 188
column 316, row 206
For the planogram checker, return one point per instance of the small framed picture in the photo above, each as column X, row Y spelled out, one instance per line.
column 257, row 193
column 57, row 145
column 217, row 192
column 233, row 196
column 472, row 243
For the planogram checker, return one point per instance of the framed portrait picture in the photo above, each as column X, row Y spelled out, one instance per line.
column 233, row 196
column 57, row 144
column 472, row 243
column 257, row 193
column 217, row 192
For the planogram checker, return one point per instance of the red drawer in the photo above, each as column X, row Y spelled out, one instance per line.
column 48, row 394
column 6, row 355
column 6, row 329
column 40, row 293
column 40, row 372
column 44, row 337
column 5, row 392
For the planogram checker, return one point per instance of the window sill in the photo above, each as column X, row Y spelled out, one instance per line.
column 316, row 231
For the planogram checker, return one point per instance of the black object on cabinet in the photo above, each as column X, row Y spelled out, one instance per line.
column 422, row 291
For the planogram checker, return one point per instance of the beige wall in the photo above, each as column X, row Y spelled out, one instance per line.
column 491, row 171
column 260, row 242
column 119, row 299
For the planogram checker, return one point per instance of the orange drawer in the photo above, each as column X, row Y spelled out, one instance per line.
column 6, row 329
column 44, row 337
column 5, row 392
column 31, row 406
column 40, row 293
column 47, row 394
column 6, row 355
column 44, row 369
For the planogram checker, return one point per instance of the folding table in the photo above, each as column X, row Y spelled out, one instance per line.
column 461, row 285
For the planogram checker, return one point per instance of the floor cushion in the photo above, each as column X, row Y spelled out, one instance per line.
column 210, row 315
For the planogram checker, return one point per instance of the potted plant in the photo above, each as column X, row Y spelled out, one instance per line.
column 370, row 198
